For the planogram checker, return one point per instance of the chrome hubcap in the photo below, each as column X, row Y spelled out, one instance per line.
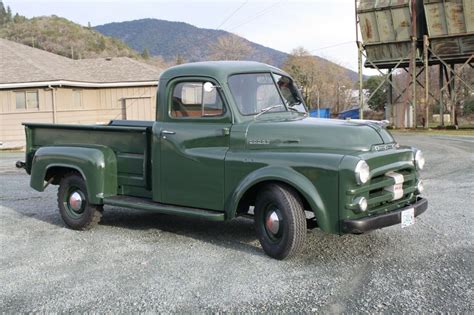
column 75, row 201
column 273, row 223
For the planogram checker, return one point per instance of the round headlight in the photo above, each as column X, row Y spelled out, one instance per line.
column 420, row 187
column 419, row 160
column 362, row 172
column 362, row 203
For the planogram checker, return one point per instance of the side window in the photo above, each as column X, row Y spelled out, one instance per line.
column 287, row 89
column 190, row 100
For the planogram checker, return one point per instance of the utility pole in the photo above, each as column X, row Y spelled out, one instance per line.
column 317, row 104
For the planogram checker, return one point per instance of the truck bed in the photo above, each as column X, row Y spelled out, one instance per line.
column 130, row 140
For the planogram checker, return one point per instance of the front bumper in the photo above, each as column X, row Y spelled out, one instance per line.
column 367, row 224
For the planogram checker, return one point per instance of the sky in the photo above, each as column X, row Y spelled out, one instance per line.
column 324, row 27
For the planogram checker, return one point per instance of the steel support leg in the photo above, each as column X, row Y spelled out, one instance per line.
column 441, row 94
column 361, row 83
column 426, row 45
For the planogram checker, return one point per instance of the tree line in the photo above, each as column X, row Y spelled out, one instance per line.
column 327, row 84
column 6, row 15
column 322, row 83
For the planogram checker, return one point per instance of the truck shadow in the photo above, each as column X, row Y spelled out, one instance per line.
column 239, row 234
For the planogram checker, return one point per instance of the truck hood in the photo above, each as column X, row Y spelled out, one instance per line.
column 307, row 133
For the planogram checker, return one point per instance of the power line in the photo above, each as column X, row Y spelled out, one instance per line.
column 331, row 46
column 259, row 14
column 232, row 14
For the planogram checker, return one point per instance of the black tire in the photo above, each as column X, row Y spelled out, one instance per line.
column 285, row 238
column 77, row 215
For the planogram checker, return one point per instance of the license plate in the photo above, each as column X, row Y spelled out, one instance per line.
column 408, row 217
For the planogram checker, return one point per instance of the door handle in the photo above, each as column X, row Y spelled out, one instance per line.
column 164, row 133
column 167, row 132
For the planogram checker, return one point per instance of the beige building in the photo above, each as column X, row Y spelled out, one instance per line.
column 41, row 87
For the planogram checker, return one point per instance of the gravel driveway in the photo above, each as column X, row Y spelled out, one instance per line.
column 139, row 261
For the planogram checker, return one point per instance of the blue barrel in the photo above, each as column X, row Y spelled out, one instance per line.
column 323, row 113
column 352, row 113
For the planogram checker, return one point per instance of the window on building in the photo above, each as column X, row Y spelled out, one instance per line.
column 77, row 98
column 20, row 100
column 27, row 100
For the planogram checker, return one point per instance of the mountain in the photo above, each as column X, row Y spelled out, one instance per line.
column 63, row 37
column 166, row 39
column 172, row 39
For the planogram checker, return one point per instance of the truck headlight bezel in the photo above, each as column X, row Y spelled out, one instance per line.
column 420, row 187
column 419, row 160
column 362, row 172
column 362, row 204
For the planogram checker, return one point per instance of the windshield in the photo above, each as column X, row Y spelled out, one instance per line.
column 255, row 92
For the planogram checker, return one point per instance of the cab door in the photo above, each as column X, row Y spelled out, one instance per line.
column 194, row 140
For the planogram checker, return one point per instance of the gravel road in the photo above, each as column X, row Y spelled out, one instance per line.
column 137, row 261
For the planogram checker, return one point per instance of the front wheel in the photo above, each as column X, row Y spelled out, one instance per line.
column 74, row 206
column 280, row 221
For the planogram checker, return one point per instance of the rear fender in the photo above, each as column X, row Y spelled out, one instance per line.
column 97, row 165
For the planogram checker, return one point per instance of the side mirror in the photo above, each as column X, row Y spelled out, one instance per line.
column 208, row 87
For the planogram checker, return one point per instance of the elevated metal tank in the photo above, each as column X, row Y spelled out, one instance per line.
column 450, row 28
column 396, row 33
column 386, row 27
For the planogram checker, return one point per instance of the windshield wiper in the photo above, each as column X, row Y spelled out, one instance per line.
column 267, row 109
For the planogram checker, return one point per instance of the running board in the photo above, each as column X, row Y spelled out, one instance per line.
column 147, row 204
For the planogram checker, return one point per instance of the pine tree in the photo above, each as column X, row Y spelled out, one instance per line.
column 145, row 54
column 179, row 60
column 9, row 15
column 18, row 18
column 3, row 14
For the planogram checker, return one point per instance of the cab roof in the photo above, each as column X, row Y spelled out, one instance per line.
column 218, row 69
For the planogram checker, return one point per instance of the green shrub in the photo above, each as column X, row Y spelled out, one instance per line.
column 468, row 106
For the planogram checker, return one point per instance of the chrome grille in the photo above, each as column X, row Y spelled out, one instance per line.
column 378, row 198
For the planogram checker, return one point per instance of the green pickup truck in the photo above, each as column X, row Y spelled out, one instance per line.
column 232, row 139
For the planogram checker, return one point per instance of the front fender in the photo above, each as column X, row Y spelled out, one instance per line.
column 289, row 176
column 97, row 165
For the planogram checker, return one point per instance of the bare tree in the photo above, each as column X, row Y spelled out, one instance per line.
column 158, row 62
column 319, row 79
column 304, row 69
column 230, row 47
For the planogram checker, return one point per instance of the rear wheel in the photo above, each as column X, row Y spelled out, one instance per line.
column 74, row 206
column 280, row 221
